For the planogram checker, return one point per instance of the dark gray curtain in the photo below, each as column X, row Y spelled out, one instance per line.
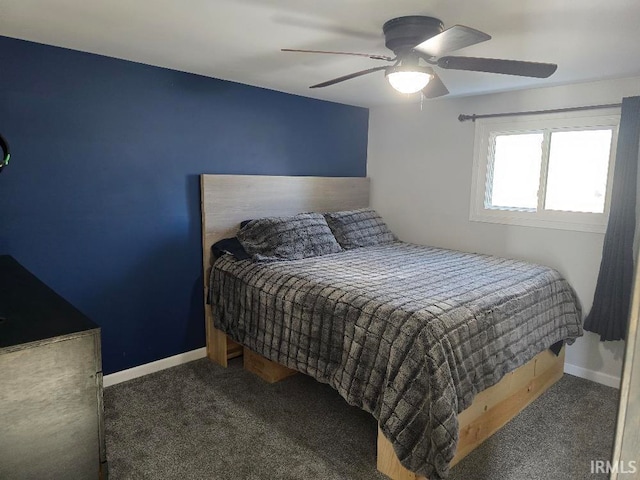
column 610, row 311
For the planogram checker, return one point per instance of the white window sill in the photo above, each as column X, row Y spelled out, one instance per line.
column 507, row 217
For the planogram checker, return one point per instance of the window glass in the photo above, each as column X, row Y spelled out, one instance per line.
column 515, row 173
column 578, row 167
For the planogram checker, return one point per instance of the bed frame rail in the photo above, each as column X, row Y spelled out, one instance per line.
column 489, row 412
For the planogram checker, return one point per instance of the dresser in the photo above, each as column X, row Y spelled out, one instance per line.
column 51, row 412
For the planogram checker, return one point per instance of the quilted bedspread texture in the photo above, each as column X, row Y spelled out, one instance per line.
column 408, row 333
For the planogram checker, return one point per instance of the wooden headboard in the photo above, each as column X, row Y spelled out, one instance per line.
column 227, row 200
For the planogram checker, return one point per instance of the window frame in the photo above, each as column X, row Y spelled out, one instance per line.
column 485, row 132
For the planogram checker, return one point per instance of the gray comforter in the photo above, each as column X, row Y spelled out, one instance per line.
column 408, row 333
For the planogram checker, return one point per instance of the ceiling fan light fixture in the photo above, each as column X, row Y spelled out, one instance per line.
column 408, row 79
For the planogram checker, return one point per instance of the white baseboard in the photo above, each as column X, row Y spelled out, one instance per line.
column 598, row 377
column 147, row 368
column 152, row 367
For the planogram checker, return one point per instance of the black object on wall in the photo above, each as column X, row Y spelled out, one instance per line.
column 6, row 153
column 104, row 204
column 610, row 312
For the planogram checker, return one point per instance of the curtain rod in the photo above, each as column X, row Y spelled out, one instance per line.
column 463, row 118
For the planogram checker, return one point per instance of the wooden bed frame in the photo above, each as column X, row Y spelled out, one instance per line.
column 229, row 199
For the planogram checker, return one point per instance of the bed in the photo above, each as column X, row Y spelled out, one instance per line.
column 357, row 320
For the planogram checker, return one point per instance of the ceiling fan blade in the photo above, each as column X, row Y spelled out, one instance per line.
column 435, row 88
column 347, row 77
column 372, row 56
column 495, row 65
column 451, row 39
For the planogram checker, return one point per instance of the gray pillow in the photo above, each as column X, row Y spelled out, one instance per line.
column 359, row 228
column 288, row 238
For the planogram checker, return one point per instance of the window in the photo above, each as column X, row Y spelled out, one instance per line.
column 546, row 171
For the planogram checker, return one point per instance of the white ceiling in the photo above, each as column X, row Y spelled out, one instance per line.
column 240, row 40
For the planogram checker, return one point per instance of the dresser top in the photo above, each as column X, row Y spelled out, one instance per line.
column 30, row 311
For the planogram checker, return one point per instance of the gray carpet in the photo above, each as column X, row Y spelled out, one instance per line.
column 201, row 421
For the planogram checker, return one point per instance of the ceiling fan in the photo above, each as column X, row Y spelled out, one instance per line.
column 418, row 38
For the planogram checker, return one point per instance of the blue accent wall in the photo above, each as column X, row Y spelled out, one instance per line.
column 101, row 199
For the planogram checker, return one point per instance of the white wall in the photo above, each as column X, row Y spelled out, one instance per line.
column 420, row 166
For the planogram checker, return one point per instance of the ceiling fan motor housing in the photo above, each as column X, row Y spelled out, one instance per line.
column 403, row 33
